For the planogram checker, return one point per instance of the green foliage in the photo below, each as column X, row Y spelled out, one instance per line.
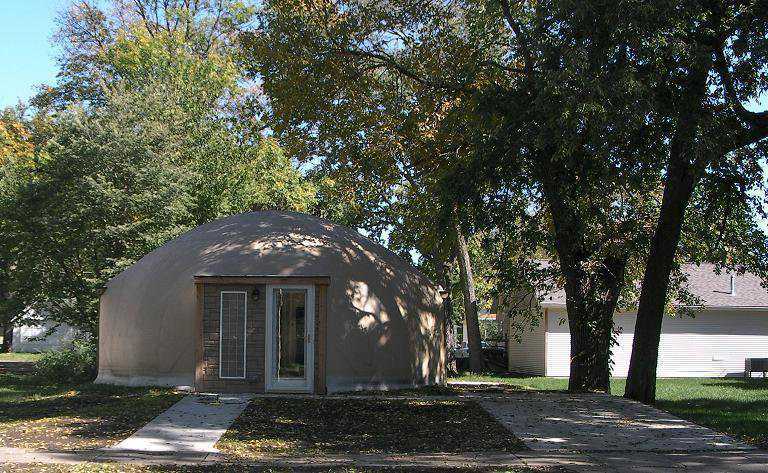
column 74, row 365
column 491, row 331
column 105, row 192
column 235, row 178
column 148, row 132
column 176, row 42
column 548, row 125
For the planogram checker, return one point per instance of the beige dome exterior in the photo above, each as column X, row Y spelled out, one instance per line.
column 384, row 318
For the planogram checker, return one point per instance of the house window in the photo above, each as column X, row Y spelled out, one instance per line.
column 232, row 334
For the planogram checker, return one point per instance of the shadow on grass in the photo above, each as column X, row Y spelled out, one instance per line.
column 433, row 390
column 748, row 384
column 72, row 417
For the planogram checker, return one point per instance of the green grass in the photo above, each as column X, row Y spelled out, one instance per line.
column 31, row 357
column 335, row 426
column 735, row 406
column 44, row 416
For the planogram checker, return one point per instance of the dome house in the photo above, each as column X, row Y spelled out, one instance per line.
column 271, row 302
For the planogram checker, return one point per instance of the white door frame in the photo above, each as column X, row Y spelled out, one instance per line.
column 307, row 384
column 245, row 333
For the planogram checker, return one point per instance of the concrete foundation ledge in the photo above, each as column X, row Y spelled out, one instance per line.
column 107, row 377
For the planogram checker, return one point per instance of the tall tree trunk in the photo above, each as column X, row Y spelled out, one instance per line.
column 685, row 167
column 591, row 303
column 7, row 331
column 590, row 349
column 591, row 295
column 476, row 364
column 448, row 335
column 641, row 379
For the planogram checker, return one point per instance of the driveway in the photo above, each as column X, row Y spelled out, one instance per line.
column 615, row 434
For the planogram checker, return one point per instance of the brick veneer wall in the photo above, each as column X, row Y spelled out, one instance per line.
column 254, row 341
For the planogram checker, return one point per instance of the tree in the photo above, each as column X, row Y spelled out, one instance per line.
column 713, row 61
column 16, row 153
column 103, row 44
column 523, row 90
column 142, row 138
column 375, row 136
column 106, row 193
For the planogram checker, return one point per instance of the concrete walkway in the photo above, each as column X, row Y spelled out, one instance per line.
column 372, row 460
column 191, row 426
column 599, row 422
column 619, row 462
column 608, row 433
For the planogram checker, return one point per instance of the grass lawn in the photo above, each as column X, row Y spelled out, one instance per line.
column 329, row 426
column 30, row 357
column 735, row 406
column 41, row 416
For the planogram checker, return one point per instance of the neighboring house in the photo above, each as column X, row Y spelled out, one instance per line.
column 275, row 302
column 488, row 321
column 732, row 326
column 33, row 339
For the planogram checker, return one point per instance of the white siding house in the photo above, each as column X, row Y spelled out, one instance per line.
column 32, row 339
column 732, row 326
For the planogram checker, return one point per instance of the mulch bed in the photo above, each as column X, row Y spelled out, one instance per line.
column 328, row 426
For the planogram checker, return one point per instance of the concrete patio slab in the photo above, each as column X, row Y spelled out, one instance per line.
column 192, row 425
column 554, row 421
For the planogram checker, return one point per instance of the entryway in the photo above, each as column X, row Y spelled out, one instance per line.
column 290, row 333
column 261, row 334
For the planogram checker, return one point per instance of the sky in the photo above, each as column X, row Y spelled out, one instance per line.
column 27, row 57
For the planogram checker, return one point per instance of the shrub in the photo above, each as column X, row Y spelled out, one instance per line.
column 73, row 365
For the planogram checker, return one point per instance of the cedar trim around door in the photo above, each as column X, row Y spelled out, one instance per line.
column 321, row 284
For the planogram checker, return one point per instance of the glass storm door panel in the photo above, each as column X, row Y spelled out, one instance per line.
column 290, row 328
column 232, row 334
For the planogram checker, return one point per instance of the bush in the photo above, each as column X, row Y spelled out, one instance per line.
column 74, row 365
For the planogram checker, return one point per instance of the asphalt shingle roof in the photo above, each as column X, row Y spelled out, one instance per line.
column 713, row 289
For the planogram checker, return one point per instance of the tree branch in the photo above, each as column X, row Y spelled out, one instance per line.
column 754, row 119
column 389, row 62
column 518, row 32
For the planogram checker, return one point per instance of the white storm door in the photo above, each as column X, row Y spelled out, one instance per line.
column 290, row 354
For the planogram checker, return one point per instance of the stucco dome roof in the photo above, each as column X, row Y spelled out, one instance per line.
column 269, row 243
